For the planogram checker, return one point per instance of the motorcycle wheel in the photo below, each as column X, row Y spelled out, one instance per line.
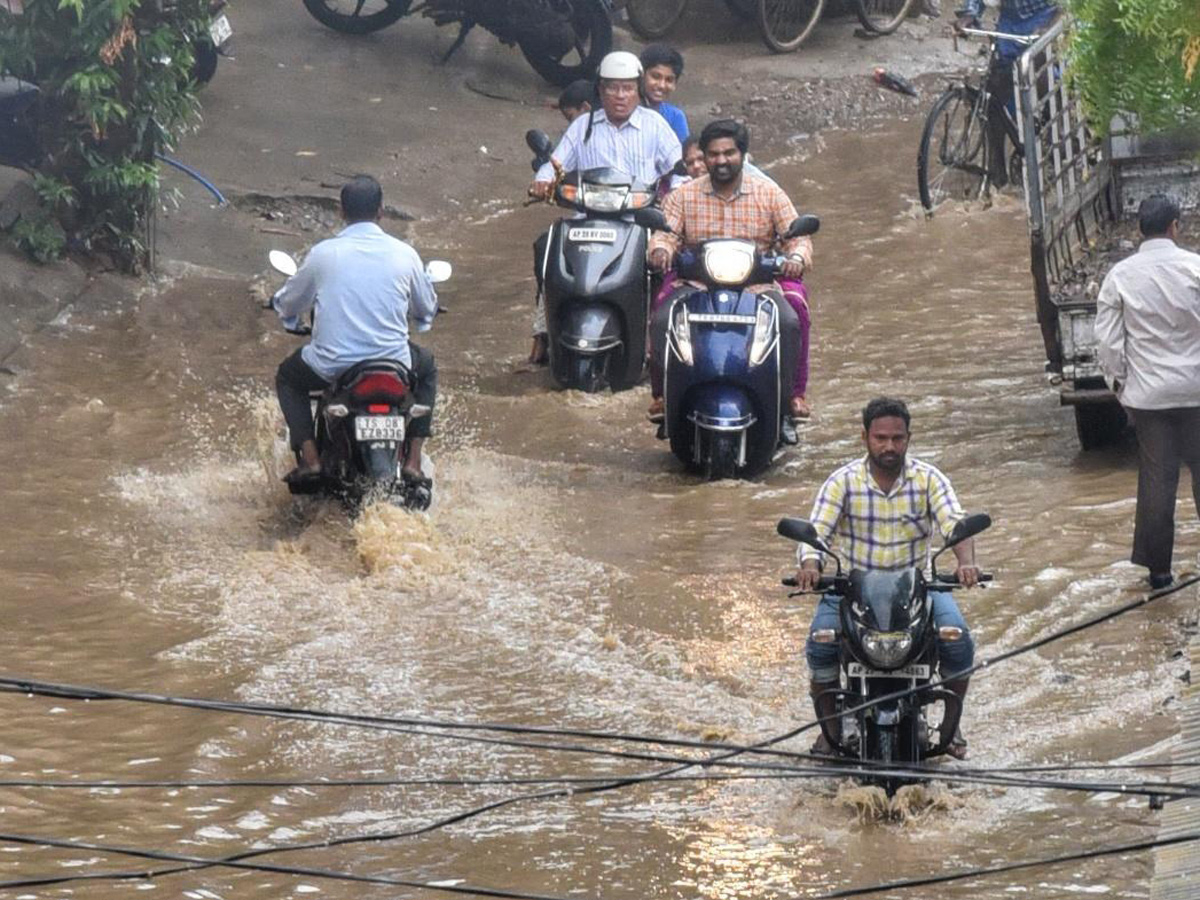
column 357, row 16
column 721, row 461
column 586, row 373
column 651, row 19
column 593, row 40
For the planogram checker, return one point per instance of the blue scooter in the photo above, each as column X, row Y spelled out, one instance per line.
column 723, row 400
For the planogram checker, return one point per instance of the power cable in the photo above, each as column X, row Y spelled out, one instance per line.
column 909, row 883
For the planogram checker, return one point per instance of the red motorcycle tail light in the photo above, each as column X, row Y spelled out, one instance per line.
column 379, row 384
column 378, row 408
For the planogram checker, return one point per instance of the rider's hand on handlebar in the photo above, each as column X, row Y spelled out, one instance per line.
column 808, row 575
column 540, row 190
column 793, row 269
column 968, row 576
column 660, row 259
column 964, row 22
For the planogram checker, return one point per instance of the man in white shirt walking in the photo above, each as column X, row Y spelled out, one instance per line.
column 1148, row 342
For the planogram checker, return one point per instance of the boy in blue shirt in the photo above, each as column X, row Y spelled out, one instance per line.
column 662, row 68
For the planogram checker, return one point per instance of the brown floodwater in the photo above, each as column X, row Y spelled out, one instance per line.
column 569, row 574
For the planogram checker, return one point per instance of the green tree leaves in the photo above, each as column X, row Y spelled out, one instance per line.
column 116, row 88
column 1138, row 58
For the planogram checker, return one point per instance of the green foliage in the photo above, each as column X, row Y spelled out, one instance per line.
column 116, row 88
column 1138, row 57
column 40, row 237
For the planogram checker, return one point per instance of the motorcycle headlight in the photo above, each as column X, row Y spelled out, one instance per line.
column 887, row 649
column 681, row 332
column 729, row 262
column 764, row 332
column 603, row 198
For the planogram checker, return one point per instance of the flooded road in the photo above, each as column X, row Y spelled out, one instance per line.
column 568, row 575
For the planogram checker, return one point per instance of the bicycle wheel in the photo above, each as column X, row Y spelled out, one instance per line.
column 357, row 16
column 744, row 8
column 651, row 19
column 952, row 161
column 785, row 24
column 882, row 16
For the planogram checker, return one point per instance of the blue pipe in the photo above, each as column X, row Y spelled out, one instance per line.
column 188, row 170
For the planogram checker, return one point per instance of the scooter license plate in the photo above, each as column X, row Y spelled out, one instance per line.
column 592, row 235
column 220, row 30
column 858, row 670
column 379, row 428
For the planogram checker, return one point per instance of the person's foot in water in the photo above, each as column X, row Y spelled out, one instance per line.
column 539, row 353
column 309, row 467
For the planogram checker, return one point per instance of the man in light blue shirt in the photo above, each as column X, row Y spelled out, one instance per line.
column 365, row 284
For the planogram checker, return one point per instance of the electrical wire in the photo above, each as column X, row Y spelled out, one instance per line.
column 618, row 782
column 983, row 872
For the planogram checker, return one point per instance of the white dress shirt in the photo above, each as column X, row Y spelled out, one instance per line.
column 365, row 284
column 643, row 147
column 1148, row 326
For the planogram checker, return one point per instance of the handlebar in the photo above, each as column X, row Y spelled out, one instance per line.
column 828, row 582
column 1026, row 39
column 952, row 580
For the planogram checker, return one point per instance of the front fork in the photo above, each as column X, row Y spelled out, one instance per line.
column 845, row 699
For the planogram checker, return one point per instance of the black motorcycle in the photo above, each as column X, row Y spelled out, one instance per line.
column 563, row 40
column 362, row 425
column 888, row 645
column 209, row 48
column 596, row 286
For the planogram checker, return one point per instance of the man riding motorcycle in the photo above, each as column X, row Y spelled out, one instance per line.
column 732, row 202
column 622, row 135
column 365, row 285
column 883, row 509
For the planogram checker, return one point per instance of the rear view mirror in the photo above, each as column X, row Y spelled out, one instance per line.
column 439, row 270
column 538, row 142
column 803, row 226
column 802, row 532
column 282, row 263
column 968, row 527
column 651, row 217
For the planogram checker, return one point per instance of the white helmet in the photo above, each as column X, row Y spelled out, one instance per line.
column 621, row 64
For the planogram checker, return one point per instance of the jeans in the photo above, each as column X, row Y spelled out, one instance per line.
column 954, row 656
column 294, row 380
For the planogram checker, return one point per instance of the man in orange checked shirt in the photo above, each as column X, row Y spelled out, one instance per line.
column 732, row 203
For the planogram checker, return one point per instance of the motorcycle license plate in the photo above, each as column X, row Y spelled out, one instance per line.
column 592, row 235
column 858, row 670
column 379, row 428
column 220, row 30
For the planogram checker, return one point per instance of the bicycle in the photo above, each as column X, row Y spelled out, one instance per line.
column 957, row 129
column 651, row 19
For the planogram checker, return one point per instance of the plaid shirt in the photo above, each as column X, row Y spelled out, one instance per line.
column 888, row 531
column 759, row 211
column 1021, row 9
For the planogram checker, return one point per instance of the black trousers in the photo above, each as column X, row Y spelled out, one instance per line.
column 294, row 381
column 1167, row 438
column 1000, row 86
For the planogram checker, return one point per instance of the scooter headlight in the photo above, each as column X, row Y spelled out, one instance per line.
column 729, row 262
column 681, row 333
column 765, row 330
column 887, row 649
column 603, row 198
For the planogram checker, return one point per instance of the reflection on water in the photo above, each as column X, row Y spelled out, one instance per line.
column 569, row 573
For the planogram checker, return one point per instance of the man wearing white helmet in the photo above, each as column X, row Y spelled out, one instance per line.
column 622, row 134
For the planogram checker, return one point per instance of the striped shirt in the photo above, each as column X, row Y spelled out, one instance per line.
column 760, row 211
column 643, row 147
column 877, row 530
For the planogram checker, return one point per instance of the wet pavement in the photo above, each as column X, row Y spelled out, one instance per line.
column 570, row 574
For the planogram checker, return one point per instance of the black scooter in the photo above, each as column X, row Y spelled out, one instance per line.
column 596, row 283
column 362, row 424
column 888, row 645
